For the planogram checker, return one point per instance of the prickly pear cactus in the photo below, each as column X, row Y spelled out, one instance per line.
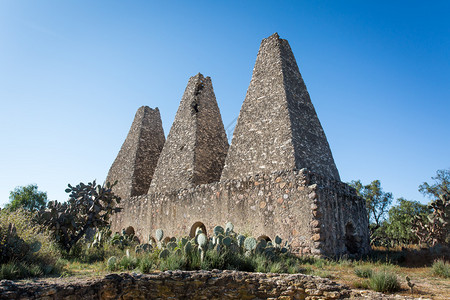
column 198, row 230
column 138, row 249
column 112, row 262
column 147, row 247
column 263, row 243
column 164, row 254
column 227, row 241
column 159, row 234
column 250, row 243
column 188, row 248
column 202, row 240
column 229, row 227
column 240, row 240
column 171, row 245
column 260, row 246
column 218, row 230
column 278, row 240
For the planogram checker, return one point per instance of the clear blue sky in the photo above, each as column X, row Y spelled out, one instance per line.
column 73, row 74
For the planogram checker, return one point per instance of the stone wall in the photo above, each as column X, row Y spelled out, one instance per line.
column 197, row 145
column 188, row 285
column 305, row 209
column 260, row 190
column 278, row 128
column 134, row 165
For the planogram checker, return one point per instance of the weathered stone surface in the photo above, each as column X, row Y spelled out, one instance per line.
column 137, row 159
column 279, row 175
column 196, row 146
column 188, row 285
column 278, row 128
column 254, row 208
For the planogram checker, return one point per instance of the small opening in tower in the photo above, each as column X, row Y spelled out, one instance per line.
column 194, row 106
column 350, row 240
column 194, row 228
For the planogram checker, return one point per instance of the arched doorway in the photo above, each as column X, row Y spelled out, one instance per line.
column 194, row 228
column 264, row 237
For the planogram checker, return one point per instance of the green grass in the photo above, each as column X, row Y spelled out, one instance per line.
column 441, row 268
column 384, row 282
column 363, row 272
column 18, row 270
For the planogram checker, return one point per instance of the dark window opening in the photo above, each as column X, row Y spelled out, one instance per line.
column 350, row 241
column 264, row 237
column 194, row 106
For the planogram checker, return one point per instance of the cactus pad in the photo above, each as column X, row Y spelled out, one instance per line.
column 250, row 243
column 202, row 240
column 159, row 234
column 218, row 230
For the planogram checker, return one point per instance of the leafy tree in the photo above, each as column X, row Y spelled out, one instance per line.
column 441, row 185
column 435, row 227
column 89, row 206
column 398, row 228
column 27, row 197
column 377, row 201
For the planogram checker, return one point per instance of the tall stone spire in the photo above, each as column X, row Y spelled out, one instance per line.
column 278, row 128
column 135, row 164
column 196, row 146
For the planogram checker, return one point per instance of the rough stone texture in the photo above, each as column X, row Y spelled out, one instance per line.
column 279, row 175
column 306, row 209
column 213, row 284
column 278, row 128
column 137, row 159
column 196, row 146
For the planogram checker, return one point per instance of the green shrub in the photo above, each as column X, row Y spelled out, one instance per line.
column 25, row 249
column 147, row 263
column 384, row 282
column 18, row 270
column 441, row 268
column 173, row 262
column 127, row 263
column 363, row 272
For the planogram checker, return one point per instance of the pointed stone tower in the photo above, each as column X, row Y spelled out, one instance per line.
column 136, row 162
column 278, row 128
column 196, row 146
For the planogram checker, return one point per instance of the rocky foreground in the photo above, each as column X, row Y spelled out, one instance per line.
column 186, row 285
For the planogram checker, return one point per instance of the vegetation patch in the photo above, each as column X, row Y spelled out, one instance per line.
column 441, row 268
column 384, row 282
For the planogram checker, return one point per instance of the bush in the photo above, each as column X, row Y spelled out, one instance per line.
column 364, row 272
column 384, row 282
column 25, row 250
column 441, row 268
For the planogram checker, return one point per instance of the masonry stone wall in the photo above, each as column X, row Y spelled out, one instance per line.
column 196, row 146
column 256, row 183
column 303, row 208
column 277, row 128
column 206, row 285
column 134, row 166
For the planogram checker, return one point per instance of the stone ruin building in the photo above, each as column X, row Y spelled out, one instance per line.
column 277, row 177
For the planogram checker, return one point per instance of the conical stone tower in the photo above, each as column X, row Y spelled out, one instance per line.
column 196, row 146
column 278, row 128
column 135, row 164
